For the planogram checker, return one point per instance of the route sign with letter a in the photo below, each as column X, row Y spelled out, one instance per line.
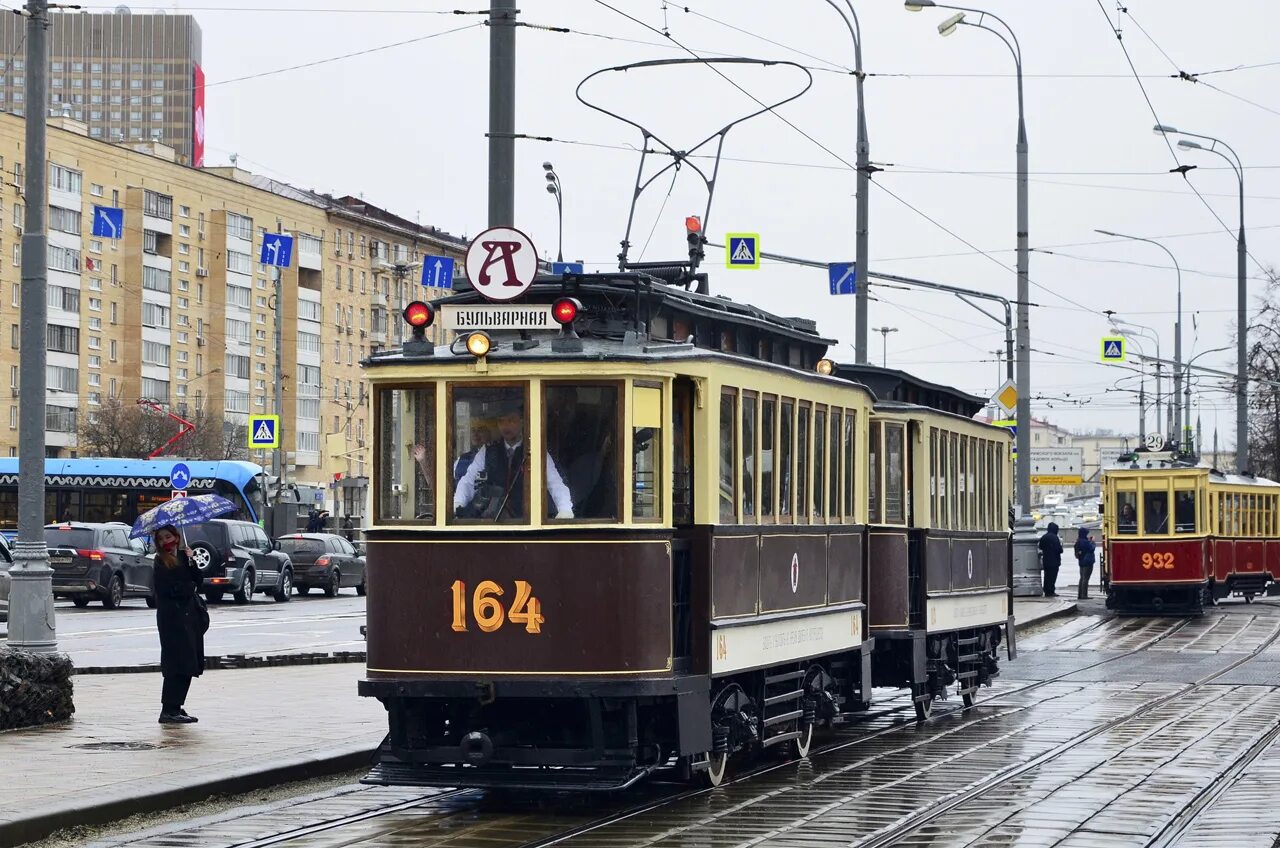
column 501, row 263
column 264, row 432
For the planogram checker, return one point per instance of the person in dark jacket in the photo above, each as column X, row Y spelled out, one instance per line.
column 1085, row 556
column 1050, row 559
column 180, row 621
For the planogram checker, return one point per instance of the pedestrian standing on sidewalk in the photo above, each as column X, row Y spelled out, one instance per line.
column 1086, row 557
column 1050, row 559
column 182, row 620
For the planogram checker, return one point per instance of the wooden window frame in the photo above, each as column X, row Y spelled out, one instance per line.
column 741, row 458
column 818, row 438
column 735, row 426
column 771, row 401
column 450, row 386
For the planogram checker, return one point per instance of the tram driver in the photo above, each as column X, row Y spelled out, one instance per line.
column 492, row 486
column 1157, row 519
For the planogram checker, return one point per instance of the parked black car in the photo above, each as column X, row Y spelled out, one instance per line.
column 99, row 562
column 237, row 557
column 326, row 560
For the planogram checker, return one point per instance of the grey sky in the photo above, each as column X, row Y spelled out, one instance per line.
column 405, row 126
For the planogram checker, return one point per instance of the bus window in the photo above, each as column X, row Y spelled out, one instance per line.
column 1155, row 512
column 582, row 449
column 1126, row 512
column 895, row 474
column 646, row 448
column 1184, row 512
column 728, row 494
column 493, row 485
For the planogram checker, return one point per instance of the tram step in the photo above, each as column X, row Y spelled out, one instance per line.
column 969, row 658
column 782, row 678
column 785, row 696
column 781, row 717
column 781, row 737
column 968, row 641
column 966, row 674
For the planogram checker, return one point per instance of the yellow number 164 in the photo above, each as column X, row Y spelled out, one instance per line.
column 487, row 610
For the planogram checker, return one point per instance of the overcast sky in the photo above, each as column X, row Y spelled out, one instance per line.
column 404, row 126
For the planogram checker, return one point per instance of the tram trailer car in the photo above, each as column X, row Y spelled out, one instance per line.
column 1181, row 536
column 677, row 577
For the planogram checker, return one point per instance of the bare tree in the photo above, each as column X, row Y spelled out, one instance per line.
column 1264, row 389
column 214, row 437
column 123, row 430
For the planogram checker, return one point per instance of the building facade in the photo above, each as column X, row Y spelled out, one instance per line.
column 130, row 78
column 179, row 310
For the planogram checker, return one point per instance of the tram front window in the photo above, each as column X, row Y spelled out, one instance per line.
column 1155, row 513
column 407, row 455
column 1127, row 512
column 1184, row 512
column 582, row 451
column 492, row 478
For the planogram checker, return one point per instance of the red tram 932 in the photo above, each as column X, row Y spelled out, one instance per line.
column 1181, row 536
column 667, row 536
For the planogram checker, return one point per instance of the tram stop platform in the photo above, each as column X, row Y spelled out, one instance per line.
column 258, row 728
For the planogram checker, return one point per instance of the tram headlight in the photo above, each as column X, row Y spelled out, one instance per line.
column 478, row 344
column 825, row 367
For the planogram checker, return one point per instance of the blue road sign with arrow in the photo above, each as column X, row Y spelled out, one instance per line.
column 566, row 268
column 108, row 222
column 180, row 476
column 843, row 277
column 437, row 271
column 277, row 250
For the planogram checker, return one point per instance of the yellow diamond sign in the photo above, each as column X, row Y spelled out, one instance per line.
column 1007, row 397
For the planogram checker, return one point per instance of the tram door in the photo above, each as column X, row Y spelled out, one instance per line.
column 916, row 534
column 682, row 565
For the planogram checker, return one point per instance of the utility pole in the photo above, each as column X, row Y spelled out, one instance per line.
column 502, row 113
column 278, row 523
column 31, row 616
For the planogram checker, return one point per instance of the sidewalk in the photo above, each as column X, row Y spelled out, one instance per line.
column 258, row 727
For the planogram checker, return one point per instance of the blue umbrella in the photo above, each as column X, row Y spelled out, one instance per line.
column 181, row 512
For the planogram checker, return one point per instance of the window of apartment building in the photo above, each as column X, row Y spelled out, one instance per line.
column 95, row 132
column 157, row 205
column 61, row 297
column 155, row 353
column 112, row 351
column 111, row 388
column 308, row 342
column 351, row 279
column 308, row 310
column 95, row 380
column 64, row 259
column 95, row 305
column 155, row 389
column 237, row 401
column 114, row 317
column 260, row 350
column 135, row 132
column 337, row 352
column 135, row 115
column 238, row 296
column 13, row 376
column 237, row 366
column 239, row 262
column 156, row 279
column 237, row 330
column 95, row 323
column 261, row 300
column 199, row 292
column 19, row 213
column 65, row 179
column 157, row 116
column 184, row 303
column 184, row 249
column 182, row 339
column 260, row 367
column 184, row 285
column 60, row 378
column 154, row 315
column 61, row 339
column 65, row 221
column 183, row 356
column 184, row 229
column 59, row 419
column 17, row 256
column 95, row 246
column 95, row 343
column 134, row 84
column 183, row 211
column 14, row 336
column 261, row 319
column 184, row 266
column 239, row 226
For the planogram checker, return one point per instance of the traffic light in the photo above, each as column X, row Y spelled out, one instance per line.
column 418, row 316
column 693, row 233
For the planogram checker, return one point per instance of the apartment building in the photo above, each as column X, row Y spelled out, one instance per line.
column 180, row 311
column 129, row 77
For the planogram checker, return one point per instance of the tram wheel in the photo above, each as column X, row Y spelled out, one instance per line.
column 924, row 707
column 714, row 774
column 800, row 747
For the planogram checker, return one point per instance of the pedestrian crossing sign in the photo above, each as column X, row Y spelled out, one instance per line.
column 742, row 250
column 1113, row 349
column 264, row 432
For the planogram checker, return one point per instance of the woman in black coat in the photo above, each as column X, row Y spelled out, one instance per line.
column 181, row 620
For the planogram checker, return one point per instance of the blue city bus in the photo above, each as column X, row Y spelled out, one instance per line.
column 95, row 489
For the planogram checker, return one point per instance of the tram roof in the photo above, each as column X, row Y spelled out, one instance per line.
column 1151, row 465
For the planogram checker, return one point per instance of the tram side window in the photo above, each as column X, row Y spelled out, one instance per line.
column 748, row 456
column 488, row 460
column 408, row 455
column 962, row 467
column 728, row 494
column 802, row 463
column 1184, row 512
column 646, row 448
column 895, row 494
column 819, row 463
column 785, row 465
column 1126, row 512
column 1155, row 512
column 833, row 462
column 933, row 479
column 582, row 450
column 767, row 455
column 943, row 522
column 850, row 425
column 874, row 456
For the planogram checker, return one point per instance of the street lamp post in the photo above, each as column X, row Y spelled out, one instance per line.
column 1023, row 482
column 884, row 344
column 1177, row 336
column 1186, row 403
column 1128, row 329
column 862, row 190
column 1242, row 292
column 554, row 189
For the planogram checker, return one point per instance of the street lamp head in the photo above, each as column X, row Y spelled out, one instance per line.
column 917, row 5
column 547, row 166
column 551, row 176
column 551, row 189
column 1188, row 144
column 949, row 25
column 1163, row 129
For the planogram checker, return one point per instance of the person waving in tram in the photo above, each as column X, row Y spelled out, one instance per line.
column 491, row 487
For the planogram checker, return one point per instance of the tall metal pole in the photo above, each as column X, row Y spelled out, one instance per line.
column 278, row 523
column 861, row 246
column 502, row 113
column 1024, row 315
column 31, row 617
column 1242, row 344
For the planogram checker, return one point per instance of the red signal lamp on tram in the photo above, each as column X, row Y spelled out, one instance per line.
column 565, row 311
column 418, row 316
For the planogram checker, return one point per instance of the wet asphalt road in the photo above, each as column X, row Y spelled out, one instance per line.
column 1105, row 732
column 97, row 637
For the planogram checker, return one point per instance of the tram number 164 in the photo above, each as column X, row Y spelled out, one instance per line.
column 1157, row 560
column 487, row 610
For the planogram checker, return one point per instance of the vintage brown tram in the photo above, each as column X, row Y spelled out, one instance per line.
column 644, row 542
column 1181, row 536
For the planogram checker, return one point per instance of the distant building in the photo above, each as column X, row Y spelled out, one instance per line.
column 129, row 78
